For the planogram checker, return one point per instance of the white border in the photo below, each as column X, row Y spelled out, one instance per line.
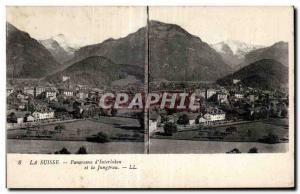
column 296, row 3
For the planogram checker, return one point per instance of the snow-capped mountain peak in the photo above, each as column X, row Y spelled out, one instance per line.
column 233, row 51
column 238, row 48
column 60, row 47
column 66, row 44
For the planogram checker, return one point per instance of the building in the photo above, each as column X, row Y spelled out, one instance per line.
column 239, row 95
column 18, row 117
column 65, row 78
column 38, row 90
column 81, row 87
column 154, row 121
column 43, row 114
column 68, row 93
column 21, row 106
column 21, row 96
column 252, row 98
column 30, row 118
column 222, row 98
column 49, row 93
column 29, row 90
column 201, row 93
column 235, row 81
column 215, row 115
column 98, row 91
column 210, row 93
column 82, row 94
column 201, row 120
column 9, row 91
column 192, row 119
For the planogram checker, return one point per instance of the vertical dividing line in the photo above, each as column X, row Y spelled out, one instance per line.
column 146, row 86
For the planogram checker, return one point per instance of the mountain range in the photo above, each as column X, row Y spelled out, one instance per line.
column 233, row 52
column 174, row 55
column 26, row 57
column 264, row 74
column 59, row 47
column 127, row 50
column 278, row 52
column 98, row 71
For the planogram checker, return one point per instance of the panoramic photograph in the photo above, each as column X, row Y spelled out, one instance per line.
column 149, row 97
column 61, row 63
column 124, row 80
column 233, row 65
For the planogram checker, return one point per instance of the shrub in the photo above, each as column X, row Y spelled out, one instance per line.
column 231, row 129
column 170, row 128
column 101, row 137
column 59, row 127
column 234, row 151
column 63, row 151
column 270, row 139
column 81, row 150
column 183, row 120
column 253, row 150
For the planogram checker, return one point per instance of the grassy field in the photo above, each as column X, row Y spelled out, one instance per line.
column 247, row 132
column 116, row 128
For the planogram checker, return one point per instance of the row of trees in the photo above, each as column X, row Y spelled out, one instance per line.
column 81, row 150
column 252, row 150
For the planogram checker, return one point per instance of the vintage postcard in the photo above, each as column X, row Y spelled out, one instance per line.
column 150, row 97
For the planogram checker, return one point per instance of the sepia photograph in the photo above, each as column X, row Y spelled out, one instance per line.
column 239, row 78
column 150, row 96
column 61, row 61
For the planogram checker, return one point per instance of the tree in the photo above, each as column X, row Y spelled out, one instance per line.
column 12, row 117
column 270, row 139
column 170, row 128
column 284, row 113
column 170, row 111
column 59, row 128
column 253, row 150
column 164, row 118
column 30, row 107
column 81, row 150
column 101, row 137
column 140, row 118
column 249, row 133
column 114, row 112
column 183, row 120
column 217, row 133
column 231, row 129
column 234, row 151
column 63, row 151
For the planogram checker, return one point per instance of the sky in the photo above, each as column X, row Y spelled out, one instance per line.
column 91, row 25
column 80, row 25
column 253, row 25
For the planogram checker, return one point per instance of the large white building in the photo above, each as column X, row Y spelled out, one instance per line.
column 50, row 93
column 68, row 93
column 239, row 95
column 215, row 115
column 43, row 114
